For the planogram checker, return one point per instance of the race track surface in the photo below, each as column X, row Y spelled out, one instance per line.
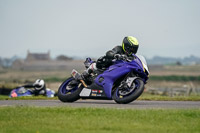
column 104, row 104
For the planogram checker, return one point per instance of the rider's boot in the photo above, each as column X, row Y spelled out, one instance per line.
column 86, row 74
column 90, row 70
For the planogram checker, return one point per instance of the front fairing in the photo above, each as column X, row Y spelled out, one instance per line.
column 118, row 70
column 15, row 93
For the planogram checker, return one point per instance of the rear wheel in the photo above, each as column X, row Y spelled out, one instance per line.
column 129, row 94
column 69, row 95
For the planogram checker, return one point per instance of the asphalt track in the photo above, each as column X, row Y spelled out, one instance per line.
column 138, row 104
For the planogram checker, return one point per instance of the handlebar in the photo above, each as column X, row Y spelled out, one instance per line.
column 122, row 57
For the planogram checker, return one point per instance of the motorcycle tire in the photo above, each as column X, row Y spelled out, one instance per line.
column 133, row 96
column 68, row 96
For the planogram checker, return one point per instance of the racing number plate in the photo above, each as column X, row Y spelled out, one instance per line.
column 75, row 74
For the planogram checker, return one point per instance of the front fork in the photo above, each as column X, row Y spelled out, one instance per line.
column 128, row 80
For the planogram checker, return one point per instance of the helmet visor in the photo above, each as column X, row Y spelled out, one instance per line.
column 130, row 49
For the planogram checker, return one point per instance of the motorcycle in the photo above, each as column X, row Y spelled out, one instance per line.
column 122, row 82
column 21, row 91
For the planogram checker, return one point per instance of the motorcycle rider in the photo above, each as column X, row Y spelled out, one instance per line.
column 129, row 46
column 39, row 87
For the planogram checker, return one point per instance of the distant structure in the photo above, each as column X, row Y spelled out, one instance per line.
column 38, row 56
column 43, row 61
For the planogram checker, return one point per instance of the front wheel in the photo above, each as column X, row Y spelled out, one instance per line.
column 66, row 95
column 129, row 94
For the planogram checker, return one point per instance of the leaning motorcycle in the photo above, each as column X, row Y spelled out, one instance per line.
column 122, row 82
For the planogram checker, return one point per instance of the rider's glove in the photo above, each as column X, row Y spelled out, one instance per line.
column 124, row 57
column 118, row 56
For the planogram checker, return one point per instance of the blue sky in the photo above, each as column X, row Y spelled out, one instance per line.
column 169, row 28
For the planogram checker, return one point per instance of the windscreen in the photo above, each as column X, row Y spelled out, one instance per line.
column 143, row 60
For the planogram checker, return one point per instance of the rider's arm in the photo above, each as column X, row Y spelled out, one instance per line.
column 28, row 86
column 116, row 50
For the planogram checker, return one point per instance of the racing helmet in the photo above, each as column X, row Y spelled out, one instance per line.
column 39, row 84
column 130, row 45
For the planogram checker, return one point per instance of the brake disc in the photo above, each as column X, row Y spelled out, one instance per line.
column 127, row 90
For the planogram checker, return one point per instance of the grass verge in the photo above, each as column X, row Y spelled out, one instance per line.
column 89, row 120
column 150, row 97
column 4, row 97
column 175, row 78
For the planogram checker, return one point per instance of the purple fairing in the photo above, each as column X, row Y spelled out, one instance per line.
column 88, row 62
column 15, row 92
column 27, row 92
column 119, row 69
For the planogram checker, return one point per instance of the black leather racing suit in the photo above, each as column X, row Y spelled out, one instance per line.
column 36, row 92
column 106, row 61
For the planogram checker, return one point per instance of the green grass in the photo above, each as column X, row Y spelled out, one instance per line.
column 146, row 96
column 55, row 79
column 175, row 78
column 97, row 120
column 4, row 97
column 153, row 77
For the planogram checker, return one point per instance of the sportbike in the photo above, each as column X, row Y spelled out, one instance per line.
column 122, row 82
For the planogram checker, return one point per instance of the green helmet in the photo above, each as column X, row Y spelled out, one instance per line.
column 130, row 45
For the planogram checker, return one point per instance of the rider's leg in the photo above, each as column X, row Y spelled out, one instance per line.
column 90, row 69
column 84, row 75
